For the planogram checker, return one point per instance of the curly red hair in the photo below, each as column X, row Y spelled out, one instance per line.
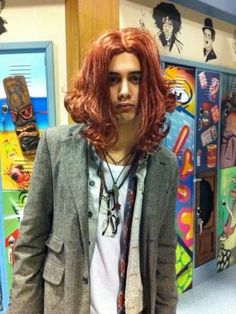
column 89, row 101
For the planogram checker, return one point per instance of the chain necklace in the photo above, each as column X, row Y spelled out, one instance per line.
column 112, row 218
column 122, row 159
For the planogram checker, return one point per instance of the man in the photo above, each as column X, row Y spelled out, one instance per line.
column 98, row 232
column 209, row 37
column 168, row 20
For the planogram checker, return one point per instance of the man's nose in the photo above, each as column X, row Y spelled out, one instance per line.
column 124, row 89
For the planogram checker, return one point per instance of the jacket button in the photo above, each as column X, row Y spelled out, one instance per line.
column 90, row 214
column 91, row 183
column 85, row 280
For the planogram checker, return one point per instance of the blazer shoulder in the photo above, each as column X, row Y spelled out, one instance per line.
column 166, row 156
column 61, row 133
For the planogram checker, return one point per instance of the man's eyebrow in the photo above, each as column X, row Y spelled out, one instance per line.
column 131, row 72
column 113, row 73
column 135, row 72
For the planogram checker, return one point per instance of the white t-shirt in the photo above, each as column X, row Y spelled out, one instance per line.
column 104, row 276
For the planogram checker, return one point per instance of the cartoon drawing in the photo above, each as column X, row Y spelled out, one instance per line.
column 168, row 20
column 209, row 37
column 228, row 143
column 19, row 175
column 2, row 20
column 229, row 227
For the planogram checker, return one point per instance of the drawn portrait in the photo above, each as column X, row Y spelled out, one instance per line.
column 2, row 20
column 168, row 20
column 208, row 38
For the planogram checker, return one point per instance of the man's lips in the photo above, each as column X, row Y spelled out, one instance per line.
column 124, row 107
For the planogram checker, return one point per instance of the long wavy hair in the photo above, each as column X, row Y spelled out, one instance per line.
column 89, row 102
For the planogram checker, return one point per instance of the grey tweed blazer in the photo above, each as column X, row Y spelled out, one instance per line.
column 51, row 271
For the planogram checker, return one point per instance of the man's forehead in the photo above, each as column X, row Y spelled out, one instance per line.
column 124, row 62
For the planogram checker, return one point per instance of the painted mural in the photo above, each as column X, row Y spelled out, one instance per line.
column 226, row 228
column 208, row 84
column 181, row 140
column 23, row 116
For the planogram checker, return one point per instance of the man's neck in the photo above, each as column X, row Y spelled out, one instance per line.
column 125, row 144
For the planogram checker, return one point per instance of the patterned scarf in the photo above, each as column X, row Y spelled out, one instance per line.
column 125, row 238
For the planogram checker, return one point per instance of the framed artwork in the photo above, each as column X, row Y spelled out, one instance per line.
column 26, row 109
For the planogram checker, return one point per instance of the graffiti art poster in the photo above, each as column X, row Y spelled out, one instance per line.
column 13, row 206
column 181, row 141
column 207, row 120
column 228, row 122
column 226, row 228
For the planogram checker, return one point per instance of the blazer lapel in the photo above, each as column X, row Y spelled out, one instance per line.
column 155, row 186
column 75, row 154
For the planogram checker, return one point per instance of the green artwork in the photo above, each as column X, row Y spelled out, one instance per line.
column 184, row 271
column 226, row 223
column 13, row 204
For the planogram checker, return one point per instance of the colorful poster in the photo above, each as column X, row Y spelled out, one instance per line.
column 13, row 205
column 181, row 141
column 226, row 223
column 226, row 228
column 207, row 118
column 228, row 122
column 23, row 117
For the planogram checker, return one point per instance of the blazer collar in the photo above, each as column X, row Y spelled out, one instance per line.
column 76, row 162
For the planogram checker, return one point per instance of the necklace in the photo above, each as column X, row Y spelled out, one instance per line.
column 112, row 197
column 122, row 159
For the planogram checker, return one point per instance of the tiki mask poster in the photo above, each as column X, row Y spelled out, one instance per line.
column 21, row 110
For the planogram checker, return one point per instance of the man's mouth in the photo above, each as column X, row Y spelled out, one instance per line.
column 124, row 107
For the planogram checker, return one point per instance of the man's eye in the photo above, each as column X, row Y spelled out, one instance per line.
column 135, row 78
column 113, row 79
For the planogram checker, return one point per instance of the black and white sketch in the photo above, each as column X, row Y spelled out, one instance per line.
column 209, row 37
column 168, row 20
column 2, row 20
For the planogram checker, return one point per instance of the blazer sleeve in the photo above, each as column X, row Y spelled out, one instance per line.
column 166, row 298
column 26, row 295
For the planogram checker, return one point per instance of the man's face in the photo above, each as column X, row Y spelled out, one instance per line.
column 207, row 39
column 167, row 27
column 124, row 76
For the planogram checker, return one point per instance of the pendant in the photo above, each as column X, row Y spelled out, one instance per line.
column 110, row 225
column 115, row 192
